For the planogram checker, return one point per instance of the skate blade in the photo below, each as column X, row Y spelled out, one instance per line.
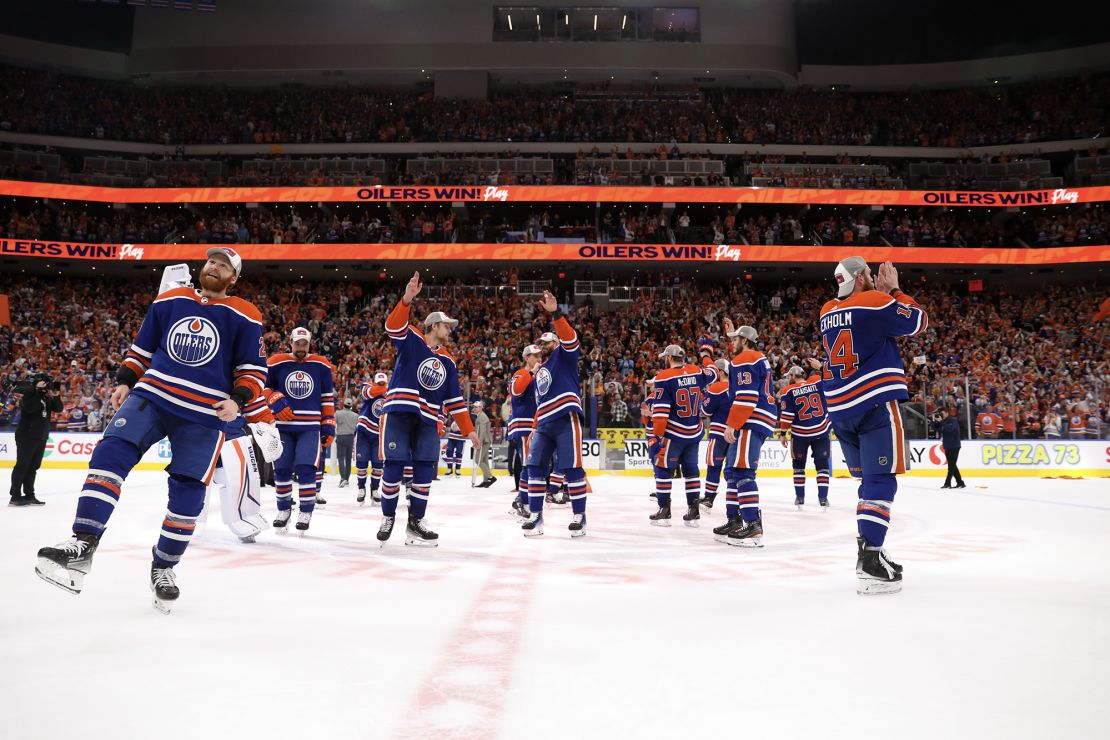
column 872, row 587
column 660, row 522
column 693, row 523
column 47, row 571
column 162, row 607
column 418, row 542
column 538, row 531
column 746, row 542
column 249, row 539
column 720, row 538
column 707, row 506
column 577, row 533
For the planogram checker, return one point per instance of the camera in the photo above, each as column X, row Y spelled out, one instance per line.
column 30, row 383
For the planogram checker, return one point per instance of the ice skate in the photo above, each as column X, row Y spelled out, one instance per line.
column 520, row 511
column 386, row 528
column 706, row 502
column 861, row 545
column 748, row 535
column 361, row 496
column 164, row 585
column 824, row 504
column 577, row 526
column 720, row 534
column 534, row 526
column 417, row 533
column 799, row 502
column 692, row 515
column 282, row 518
column 66, row 564
column 876, row 573
column 661, row 518
column 303, row 520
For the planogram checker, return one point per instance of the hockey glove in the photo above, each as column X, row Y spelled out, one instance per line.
column 268, row 439
column 327, row 432
column 279, row 405
column 655, row 449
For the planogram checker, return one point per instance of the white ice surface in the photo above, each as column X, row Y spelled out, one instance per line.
column 1002, row 629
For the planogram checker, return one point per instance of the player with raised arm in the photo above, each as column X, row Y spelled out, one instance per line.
column 558, row 430
column 303, row 402
column 196, row 361
column 425, row 384
column 804, row 426
column 751, row 420
column 863, row 381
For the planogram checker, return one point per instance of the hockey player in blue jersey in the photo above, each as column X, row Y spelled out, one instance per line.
column 676, row 410
column 558, row 429
column 424, row 385
column 196, row 361
column 751, row 420
column 863, row 381
column 305, row 413
column 716, row 405
column 804, row 426
column 522, row 419
column 453, row 450
column 366, row 437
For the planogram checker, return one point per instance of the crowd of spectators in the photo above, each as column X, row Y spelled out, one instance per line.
column 1026, row 354
column 48, row 103
column 349, row 223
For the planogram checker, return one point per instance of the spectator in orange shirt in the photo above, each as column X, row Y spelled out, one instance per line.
column 988, row 424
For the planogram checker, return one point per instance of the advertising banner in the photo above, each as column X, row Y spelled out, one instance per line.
column 736, row 254
column 1028, row 457
column 554, row 194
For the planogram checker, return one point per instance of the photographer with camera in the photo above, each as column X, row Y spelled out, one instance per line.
column 40, row 400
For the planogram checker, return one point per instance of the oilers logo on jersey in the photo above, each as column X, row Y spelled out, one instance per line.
column 298, row 385
column 431, row 373
column 377, row 406
column 543, row 382
column 193, row 341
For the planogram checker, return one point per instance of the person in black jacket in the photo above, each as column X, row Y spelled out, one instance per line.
column 40, row 400
column 950, row 439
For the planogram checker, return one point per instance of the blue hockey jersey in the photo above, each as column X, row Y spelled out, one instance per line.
column 424, row 381
column 717, row 402
column 308, row 385
column 373, row 401
column 862, row 365
column 753, row 398
column 192, row 352
column 556, row 379
column 676, row 405
column 803, row 409
column 522, row 404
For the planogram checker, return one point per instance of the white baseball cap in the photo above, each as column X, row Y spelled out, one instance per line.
column 672, row 350
column 300, row 333
column 381, row 378
column 548, row 336
column 795, row 370
column 531, row 349
column 436, row 317
column 228, row 254
column 748, row 332
column 478, row 405
column 846, row 272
